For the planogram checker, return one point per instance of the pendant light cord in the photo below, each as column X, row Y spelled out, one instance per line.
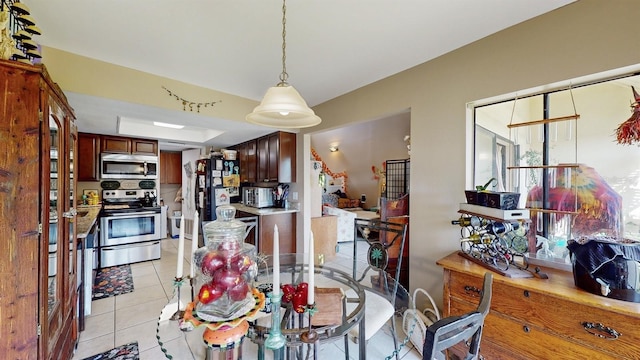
column 284, row 76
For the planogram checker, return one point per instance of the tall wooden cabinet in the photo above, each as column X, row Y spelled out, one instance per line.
column 38, row 290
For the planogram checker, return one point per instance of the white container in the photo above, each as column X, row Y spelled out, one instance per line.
column 515, row 214
column 229, row 154
column 175, row 226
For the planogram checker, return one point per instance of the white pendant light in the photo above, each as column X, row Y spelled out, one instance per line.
column 282, row 106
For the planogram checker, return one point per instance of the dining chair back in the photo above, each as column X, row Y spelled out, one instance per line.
column 449, row 331
column 381, row 289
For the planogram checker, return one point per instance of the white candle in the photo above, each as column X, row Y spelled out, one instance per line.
column 276, row 260
column 194, row 243
column 311, row 295
column 180, row 249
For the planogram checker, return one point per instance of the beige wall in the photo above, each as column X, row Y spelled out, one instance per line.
column 585, row 37
column 97, row 78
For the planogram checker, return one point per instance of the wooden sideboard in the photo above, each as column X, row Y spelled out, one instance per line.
column 542, row 318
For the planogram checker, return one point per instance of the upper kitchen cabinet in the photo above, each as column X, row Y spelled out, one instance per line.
column 247, row 158
column 125, row 145
column 170, row 167
column 37, row 219
column 276, row 158
column 89, row 154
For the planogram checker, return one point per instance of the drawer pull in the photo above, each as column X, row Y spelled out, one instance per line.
column 601, row 331
column 526, row 329
column 472, row 289
column 526, row 293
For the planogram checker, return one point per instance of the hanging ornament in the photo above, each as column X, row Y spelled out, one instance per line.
column 190, row 104
column 628, row 132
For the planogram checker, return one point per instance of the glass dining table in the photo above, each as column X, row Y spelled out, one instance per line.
column 333, row 273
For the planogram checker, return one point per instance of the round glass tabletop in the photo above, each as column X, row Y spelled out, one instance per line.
column 334, row 276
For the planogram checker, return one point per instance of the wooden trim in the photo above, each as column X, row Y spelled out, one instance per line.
column 571, row 166
column 545, row 121
column 551, row 211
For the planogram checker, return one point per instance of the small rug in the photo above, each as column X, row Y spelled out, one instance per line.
column 123, row 352
column 112, row 281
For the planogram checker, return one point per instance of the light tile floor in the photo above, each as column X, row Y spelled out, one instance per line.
column 132, row 317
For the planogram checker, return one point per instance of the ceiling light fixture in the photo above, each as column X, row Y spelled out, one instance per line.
column 333, row 148
column 282, row 105
column 167, row 125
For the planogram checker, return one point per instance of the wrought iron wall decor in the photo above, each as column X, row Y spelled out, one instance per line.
column 17, row 27
column 191, row 104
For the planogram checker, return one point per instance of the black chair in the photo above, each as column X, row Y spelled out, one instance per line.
column 449, row 331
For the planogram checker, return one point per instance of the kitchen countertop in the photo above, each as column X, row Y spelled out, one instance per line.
column 85, row 223
column 263, row 211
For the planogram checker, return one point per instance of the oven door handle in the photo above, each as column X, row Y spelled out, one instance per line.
column 129, row 246
column 146, row 169
column 134, row 214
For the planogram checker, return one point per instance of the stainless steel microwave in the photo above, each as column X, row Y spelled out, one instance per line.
column 257, row 197
column 123, row 166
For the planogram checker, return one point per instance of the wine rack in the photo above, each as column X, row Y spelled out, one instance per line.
column 496, row 242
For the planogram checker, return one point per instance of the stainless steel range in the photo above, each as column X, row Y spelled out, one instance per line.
column 130, row 227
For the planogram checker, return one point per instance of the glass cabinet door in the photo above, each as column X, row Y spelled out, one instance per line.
column 70, row 208
column 55, row 248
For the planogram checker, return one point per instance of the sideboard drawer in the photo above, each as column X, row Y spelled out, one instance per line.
column 554, row 314
column 551, row 307
column 525, row 340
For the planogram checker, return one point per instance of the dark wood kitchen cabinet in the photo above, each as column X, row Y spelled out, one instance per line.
column 286, row 230
column 276, row 157
column 170, row 167
column 88, row 157
column 248, row 161
column 38, row 291
column 125, row 145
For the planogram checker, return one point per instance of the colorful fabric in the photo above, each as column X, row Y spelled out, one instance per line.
column 598, row 206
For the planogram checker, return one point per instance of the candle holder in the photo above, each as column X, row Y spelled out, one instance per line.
column 310, row 336
column 192, row 282
column 275, row 339
column 179, row 314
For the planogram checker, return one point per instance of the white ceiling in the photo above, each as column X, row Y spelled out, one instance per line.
column 234, row 46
